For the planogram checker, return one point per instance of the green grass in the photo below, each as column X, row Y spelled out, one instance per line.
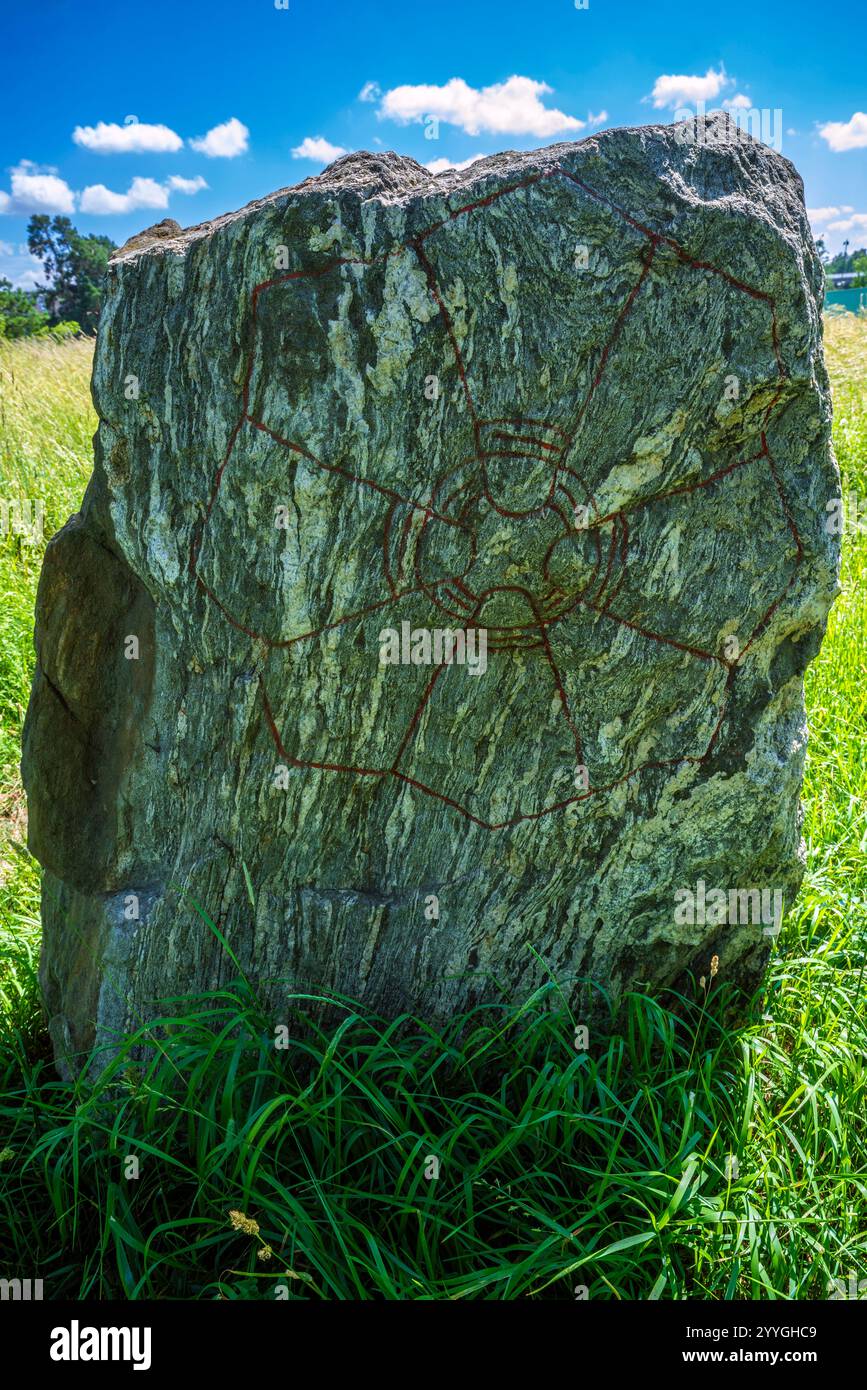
column 612, row 1169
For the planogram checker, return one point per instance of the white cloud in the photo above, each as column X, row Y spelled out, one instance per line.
column 845, row 135
column 28, row 280
column 42, row 190
column 737, row 103
column 371, row 91
column 674, row 90
column 135, row 138
column 19, row 267
column 315, row 147
column 825, row 214
column 856, row 223
column 599, row 119
column 142, row 193
column 512, row 107
column 439, row 166
column 224, row 141
column 181, row 185
column 37, row 190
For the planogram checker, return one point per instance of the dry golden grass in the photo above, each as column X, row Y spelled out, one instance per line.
column 47, row 421
column 846, row 356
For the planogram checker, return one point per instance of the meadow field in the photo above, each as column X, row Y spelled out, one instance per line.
column 678, row 1158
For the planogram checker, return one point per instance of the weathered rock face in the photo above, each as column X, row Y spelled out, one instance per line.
column 569, row 405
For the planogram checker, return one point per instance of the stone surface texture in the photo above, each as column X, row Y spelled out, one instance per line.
column 574, row 397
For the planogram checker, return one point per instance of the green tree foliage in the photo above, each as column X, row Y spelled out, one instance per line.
column 852, row 260
column 20, row 315
column 74, row 267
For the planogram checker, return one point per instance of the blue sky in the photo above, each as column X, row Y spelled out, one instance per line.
column 120, row 115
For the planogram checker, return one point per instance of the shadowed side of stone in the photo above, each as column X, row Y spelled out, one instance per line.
column 83, row 733
column 88, row 705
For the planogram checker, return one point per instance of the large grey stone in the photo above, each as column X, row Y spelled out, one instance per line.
column 574, row 398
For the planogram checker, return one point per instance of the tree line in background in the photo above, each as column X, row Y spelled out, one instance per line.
column 845, row 260
column 68, row 303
